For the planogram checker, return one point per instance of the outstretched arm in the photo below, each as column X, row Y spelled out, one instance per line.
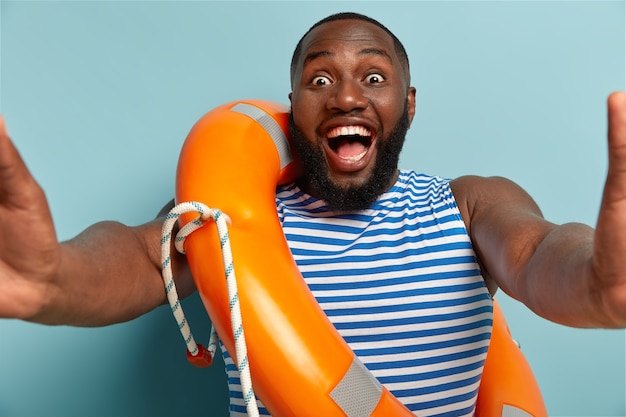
column 107, row 274
column 571, row 273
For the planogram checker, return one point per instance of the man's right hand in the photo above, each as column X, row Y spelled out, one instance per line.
column 29, row 251
column 109, row 273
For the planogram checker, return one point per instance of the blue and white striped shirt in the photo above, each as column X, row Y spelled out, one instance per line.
column 401, row 284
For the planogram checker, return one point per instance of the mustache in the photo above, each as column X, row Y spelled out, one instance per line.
column 319, row 182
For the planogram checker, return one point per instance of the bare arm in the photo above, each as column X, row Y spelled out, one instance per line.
column 107, row 274
column 571, row 273
column 543, row 265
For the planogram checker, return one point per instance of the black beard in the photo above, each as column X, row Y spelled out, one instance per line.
column 355, row 197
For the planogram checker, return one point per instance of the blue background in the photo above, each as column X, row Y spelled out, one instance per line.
column 99, row 96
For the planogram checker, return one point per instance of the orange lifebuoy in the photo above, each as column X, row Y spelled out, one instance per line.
column 233, row 159
column 507, row 386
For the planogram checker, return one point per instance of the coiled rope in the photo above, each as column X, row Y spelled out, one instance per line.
column 195, row 350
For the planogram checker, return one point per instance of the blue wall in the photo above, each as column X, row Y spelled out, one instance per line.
column 99, row 96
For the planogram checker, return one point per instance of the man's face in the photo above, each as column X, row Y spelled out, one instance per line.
column 350, row 93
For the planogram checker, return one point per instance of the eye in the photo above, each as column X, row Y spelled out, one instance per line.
column 320, row 81
column 374, row 79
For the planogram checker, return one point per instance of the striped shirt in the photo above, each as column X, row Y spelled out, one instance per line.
column 401, row 284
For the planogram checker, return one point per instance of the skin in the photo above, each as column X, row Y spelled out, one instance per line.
column 528, row 257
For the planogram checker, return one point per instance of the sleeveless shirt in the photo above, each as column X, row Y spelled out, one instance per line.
column 401, row 284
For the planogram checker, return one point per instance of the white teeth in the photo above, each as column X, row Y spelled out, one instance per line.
column 355, row 158
column 348, row 131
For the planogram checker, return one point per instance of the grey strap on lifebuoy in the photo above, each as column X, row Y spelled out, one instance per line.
column 358, row 392
column 271, row 127
column 512, row 411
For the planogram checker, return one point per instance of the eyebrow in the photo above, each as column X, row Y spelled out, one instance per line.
column 375, row 51
column 312, row 56
column 363, row 52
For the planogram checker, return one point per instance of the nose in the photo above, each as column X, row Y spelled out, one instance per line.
column 347, row 95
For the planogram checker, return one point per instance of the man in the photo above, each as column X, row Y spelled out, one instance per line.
column 351, row 105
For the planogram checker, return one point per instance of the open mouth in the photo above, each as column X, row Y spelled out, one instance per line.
column 350, row 143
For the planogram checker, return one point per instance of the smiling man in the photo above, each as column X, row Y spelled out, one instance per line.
column 404, row 264
column 352, row 104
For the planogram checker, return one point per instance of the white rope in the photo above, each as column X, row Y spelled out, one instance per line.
column 205, row 214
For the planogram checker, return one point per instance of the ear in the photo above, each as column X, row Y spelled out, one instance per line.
column 290, row 94
column 411, row 104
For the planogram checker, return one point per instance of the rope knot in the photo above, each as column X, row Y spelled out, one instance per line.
column 197, row 354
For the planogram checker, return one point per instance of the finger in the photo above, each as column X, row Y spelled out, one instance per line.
column 3, row 128
column 15, row 179
column 616, row 177
column 616, row 104
column 8, row 153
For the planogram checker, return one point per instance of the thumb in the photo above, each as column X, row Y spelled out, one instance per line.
column 616, row 178
column 15, row 179
column 8, row 153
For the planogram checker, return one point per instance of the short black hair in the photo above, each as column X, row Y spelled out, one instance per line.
column 404, row 58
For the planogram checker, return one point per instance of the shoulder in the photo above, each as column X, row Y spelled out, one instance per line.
column 503, row 222
column 470, row 185
column 478, row 196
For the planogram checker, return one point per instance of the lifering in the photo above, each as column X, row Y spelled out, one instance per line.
column 507, row 386
column 233, row 159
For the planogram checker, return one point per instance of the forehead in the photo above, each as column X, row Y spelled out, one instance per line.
column 340, row 35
